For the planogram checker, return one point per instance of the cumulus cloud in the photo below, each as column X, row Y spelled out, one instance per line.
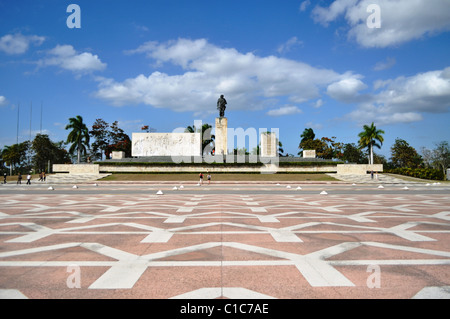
column 405, row 99
column 401, row 20
column 347, row 90
column 249, row 81
column 65, row 57
column 18, row 43
column 285, row 110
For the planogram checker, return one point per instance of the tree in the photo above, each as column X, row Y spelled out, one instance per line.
column 438, row 158
column 308, row 134
column 332, row 149
column 45, row 150
column 306, row 143
column 316, row 144
column 240, row 151
column 404, row 155
column 109, row 138
column 79, row 136
column 280, row 148
column 100, row 133
column 353, row 154
column 119, row 141
column 326, row 148
column 207, row 137
column 15, row 155
column 369, row 137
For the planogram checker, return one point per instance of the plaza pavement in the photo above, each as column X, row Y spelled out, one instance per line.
column 286, row 240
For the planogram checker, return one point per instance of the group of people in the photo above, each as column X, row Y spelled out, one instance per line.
column 372, row 174
column 42, row 177
column 208, row 177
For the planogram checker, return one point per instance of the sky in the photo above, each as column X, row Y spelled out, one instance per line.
column 287, row 65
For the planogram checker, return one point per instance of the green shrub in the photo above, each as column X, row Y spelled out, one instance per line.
column 423, row 173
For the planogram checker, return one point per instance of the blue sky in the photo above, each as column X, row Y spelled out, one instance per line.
column 288, row 65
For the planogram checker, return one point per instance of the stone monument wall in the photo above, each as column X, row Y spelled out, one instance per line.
column 166, row 144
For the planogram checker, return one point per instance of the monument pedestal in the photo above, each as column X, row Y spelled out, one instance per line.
column 221, row 133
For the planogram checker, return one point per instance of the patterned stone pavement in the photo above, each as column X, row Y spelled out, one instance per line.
column 255, row 240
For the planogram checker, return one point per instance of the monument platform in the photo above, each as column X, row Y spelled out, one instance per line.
column 218, row 164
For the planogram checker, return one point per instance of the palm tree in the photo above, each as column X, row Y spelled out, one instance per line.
column 308, row 134
column 368, row 138
column 207, row 137
column 79, row 136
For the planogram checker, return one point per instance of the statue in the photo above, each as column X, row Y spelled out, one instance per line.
column 221, row 105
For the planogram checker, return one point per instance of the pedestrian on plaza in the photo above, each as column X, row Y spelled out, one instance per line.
column 29, row 179
column 201, row 179
column 208, row 177
column 19, row 178
column 371, row 174
column 41, row 176
column 4, row 178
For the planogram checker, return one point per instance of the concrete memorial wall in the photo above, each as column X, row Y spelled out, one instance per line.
column 166, row 144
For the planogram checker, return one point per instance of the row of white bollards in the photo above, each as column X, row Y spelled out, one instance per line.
column 160, row 192
column 51, row 188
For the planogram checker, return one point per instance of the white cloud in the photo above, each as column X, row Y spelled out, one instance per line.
column 424, row 92
column 3, row 100
column 304, row 5
column 289, row 44
column 285, row 110
column 65, row 57
column 385, row 65
column 318, row 103
column 404, row 99
column 18, row 43
column 401, row 20
column 337, row 8
column 248, row 81
column 315, row 126
column 347, row 90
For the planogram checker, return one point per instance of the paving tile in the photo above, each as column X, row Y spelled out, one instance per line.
column 254, row 241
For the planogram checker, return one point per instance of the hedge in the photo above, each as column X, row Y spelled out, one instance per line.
column 175, row 164
column 281, row 164
column 423, row 173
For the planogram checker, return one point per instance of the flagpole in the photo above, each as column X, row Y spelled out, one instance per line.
column 18, row 114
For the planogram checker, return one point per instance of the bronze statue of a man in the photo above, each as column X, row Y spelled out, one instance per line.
column 221, row 105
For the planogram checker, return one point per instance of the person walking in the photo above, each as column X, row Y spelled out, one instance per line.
column 29, row 179
column 4, row 178
column 208, row 177
column 201, row 179
column 19, row 179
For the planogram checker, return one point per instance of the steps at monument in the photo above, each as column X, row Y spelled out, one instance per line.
column 65, row 178
column 366, row 179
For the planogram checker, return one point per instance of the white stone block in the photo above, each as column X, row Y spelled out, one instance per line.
column 309, row 153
